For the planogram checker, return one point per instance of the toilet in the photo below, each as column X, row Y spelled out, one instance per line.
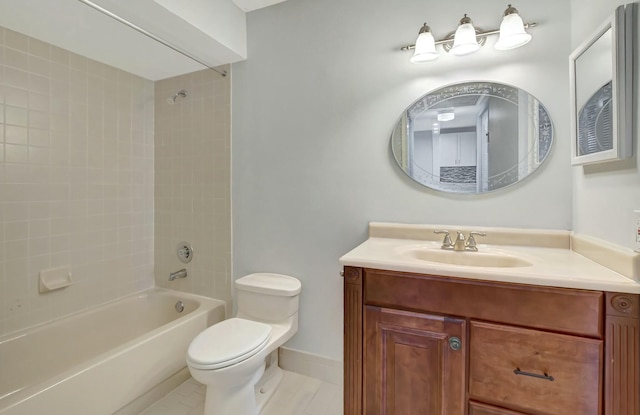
column 237, row 359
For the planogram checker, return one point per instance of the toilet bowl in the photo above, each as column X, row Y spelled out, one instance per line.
column 237, row 359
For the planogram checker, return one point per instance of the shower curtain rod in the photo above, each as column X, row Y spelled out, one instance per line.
column 148, row 34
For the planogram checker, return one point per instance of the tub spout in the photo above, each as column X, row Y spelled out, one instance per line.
column 178, row 274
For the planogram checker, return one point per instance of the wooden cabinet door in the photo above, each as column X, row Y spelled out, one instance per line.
column 412, row 364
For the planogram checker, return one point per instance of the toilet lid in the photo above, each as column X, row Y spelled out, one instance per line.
column 227, row 343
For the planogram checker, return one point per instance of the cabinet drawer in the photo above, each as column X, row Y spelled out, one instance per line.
column 569, row 311
column 534, row 371
column 476, row 408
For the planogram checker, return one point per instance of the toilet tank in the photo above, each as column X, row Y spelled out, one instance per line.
column 267, row 297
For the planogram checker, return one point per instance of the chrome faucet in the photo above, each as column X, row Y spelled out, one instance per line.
column 462, row 243
column 178, row 274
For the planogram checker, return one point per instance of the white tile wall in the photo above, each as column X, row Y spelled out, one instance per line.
column 192, row 182
column 76, row 180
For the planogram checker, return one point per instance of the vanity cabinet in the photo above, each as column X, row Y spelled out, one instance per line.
column 436, row 345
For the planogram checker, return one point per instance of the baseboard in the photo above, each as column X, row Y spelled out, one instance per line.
column 312, row 365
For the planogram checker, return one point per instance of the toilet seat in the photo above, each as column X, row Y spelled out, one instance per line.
column 227, row 343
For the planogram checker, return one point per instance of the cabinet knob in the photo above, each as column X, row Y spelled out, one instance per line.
column 455, row 343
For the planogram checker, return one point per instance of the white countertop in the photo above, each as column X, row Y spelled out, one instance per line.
column 551, row 266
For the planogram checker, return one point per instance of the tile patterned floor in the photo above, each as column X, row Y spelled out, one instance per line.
column 296, row 395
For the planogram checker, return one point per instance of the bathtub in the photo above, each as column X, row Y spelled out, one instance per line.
column 99, row 360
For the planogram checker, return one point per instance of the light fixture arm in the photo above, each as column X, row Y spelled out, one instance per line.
column 479, row 34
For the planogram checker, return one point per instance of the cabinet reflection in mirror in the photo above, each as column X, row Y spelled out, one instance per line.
column 472, row 137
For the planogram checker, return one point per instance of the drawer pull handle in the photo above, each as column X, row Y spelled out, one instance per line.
column 517, row 371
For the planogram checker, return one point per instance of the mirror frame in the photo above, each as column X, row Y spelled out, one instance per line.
column 621, row 23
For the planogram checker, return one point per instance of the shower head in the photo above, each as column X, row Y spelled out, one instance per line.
column 182, row 94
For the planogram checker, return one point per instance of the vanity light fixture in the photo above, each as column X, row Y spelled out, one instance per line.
column 468, row 39
column 425, row 47
column 465, row 41
column 512, row 33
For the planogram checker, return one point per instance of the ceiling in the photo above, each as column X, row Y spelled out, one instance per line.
column 250, row 5
column 211, row 31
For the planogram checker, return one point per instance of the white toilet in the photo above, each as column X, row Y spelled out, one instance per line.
column 237, row 359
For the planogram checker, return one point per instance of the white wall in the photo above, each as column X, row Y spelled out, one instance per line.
column 313, row 109
column 604, row 195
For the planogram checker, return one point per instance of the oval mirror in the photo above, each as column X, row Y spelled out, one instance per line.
column 472, row 137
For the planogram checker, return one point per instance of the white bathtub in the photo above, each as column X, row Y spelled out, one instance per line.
column 97, row 361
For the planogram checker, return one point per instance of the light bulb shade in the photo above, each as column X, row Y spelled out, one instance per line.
column 465, row 41
column 512, row 33
column 425, row 49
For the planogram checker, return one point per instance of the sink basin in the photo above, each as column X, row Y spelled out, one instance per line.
column 467, row 258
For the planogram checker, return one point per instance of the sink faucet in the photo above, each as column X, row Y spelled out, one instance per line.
column 462, row 243
column 178, row 274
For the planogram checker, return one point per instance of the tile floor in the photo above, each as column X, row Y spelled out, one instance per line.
column 296, row 395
